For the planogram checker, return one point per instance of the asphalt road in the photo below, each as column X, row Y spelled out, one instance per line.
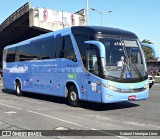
column 40, row 112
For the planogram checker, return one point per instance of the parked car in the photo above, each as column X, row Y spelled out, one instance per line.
column 151, row 80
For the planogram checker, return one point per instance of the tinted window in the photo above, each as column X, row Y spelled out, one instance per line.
column 38, row 50
column 58, row 47
column 43, row 49
column 11, row 55
column 68, row 50
column 25, row 53
column 49, row 48
column 80, row 39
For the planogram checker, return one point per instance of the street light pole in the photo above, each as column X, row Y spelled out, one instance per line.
column 101, row 18
column 101, row 13
column 86, row 13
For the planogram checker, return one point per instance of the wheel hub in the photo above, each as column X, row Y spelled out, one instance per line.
column 73, row 96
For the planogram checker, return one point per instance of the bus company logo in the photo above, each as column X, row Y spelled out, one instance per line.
column 17, row 69
column 6, row 133
column 45, row 15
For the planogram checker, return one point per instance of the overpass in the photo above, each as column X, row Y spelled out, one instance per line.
column 27, row 22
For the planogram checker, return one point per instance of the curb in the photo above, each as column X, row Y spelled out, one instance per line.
column 157, row 84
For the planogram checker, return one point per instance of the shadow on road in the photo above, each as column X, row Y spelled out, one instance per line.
column 84, row 104
column 107, row 107
column 55, row 99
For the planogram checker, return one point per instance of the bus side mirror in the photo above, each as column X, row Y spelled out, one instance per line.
column 102, row 51
column 100, row 46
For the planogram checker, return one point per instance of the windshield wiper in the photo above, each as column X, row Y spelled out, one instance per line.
column 123, row 70
column 125, row 64
column 136, row 69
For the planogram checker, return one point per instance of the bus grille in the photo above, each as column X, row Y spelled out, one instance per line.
column 138, row 90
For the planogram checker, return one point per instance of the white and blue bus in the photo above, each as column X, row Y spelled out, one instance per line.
column 98, row 64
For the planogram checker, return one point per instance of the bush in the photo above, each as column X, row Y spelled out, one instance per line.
column 157, row 79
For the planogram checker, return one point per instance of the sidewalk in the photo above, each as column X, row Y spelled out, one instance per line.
column 157, row 84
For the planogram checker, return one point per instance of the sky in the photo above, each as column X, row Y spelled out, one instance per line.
column 139, row 16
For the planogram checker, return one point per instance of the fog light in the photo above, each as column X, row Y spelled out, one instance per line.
column 107, row 96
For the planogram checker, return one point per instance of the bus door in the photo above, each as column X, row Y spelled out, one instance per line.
column 93, row 90
column 57, row 63
column 57, row 75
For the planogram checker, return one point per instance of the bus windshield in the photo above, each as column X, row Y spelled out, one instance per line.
column 124, row 58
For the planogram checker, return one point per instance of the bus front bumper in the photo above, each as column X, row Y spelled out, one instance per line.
column 109, row 96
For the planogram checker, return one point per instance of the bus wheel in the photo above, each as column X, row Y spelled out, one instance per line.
column 18, row 89
column 73, row 96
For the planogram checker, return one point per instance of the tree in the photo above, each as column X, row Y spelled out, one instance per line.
column 147, row 51
column 147, row 41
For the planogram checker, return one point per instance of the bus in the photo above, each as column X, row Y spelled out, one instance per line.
column 90, row 63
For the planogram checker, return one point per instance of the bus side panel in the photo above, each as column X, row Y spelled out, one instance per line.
column 44, row 83
column 8, row 80
column 43, row 77
column 94, row 91
column 13, row 71
column 84, row 85
column 69, row 72
column 86, row 82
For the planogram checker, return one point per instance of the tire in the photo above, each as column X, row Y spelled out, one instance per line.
column 18, row 89
column 73, row 97
column 150, row 85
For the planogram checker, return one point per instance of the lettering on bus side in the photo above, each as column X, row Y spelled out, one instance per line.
column 71, row 65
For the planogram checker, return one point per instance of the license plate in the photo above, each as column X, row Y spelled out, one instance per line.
column 132, row 98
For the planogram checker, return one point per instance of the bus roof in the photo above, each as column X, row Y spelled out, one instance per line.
column 79, row 30
column 103, row 30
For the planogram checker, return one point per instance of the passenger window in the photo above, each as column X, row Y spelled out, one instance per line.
column 11, row 55
column 58, row 47
column 92, row 61
column 68, row 49
column 80, row 39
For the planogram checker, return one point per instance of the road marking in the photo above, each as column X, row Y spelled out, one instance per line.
column 108, row 133
column 61, row 120
column 55, row 118
column 10, row 112
column 10, row 106
column 75, row 124
column 61, row 128
column 142, row 125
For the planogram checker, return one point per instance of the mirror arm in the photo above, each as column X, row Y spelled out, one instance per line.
column 100, row 46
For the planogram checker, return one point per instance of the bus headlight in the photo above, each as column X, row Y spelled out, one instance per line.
column 113, row 88
column 146, row 86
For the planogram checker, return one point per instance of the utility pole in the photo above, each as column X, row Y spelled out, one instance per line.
column 86, row 13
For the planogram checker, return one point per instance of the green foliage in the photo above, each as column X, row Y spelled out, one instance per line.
column 147, row 41
column 147, row 51
column 157, row 80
